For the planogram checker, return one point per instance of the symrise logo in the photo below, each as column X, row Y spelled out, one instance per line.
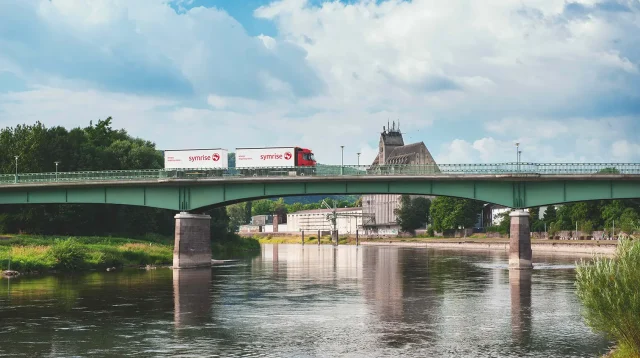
column 215, row 157
column 270, row 156
column 287, row 156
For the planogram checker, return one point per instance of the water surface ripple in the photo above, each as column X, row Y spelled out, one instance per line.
column 311, row 301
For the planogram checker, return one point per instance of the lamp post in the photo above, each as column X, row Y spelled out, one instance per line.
column 17, row 156
column 358, row 158
column 342, row 160
column 518, row 156
column 57, row 170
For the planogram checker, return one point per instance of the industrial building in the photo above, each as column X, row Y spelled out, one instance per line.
column 379, row 208
column 347, row 222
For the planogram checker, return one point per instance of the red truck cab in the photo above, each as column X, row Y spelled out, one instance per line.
column 305, row 158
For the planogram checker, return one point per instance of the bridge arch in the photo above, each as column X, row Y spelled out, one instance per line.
column 196, row 195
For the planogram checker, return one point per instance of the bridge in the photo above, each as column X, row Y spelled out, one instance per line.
column 514, row 185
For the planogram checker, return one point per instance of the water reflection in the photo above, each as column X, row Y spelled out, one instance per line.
column 295, row 301
column 191, row 297
column 520, row 289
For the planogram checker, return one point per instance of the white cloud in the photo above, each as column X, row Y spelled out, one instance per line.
column 468, row 78
column 625, row 151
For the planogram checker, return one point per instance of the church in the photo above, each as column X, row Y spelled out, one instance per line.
column 378, row 209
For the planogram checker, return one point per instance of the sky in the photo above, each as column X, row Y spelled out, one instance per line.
column 468, row 78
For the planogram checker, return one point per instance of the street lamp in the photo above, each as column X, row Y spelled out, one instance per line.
column 518, row 156
column 342, row 160
column 17, row 156
column 358, row 159
column 57, row 170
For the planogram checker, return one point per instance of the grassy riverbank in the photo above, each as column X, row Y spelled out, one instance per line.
column 37, row 254
column 41, row 254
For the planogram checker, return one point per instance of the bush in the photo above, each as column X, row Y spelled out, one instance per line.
column 430, row 232
column 609, row 291
column 68, row 254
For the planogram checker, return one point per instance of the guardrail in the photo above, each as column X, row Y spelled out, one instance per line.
column 523, row 169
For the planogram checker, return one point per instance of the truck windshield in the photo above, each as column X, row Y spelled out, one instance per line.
column 310, row 156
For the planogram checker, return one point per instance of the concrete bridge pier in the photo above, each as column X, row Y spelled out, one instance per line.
column 192, row 248
column 520, row 256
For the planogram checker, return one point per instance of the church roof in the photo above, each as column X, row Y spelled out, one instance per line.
column 406, row 149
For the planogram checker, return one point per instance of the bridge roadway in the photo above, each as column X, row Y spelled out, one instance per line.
column 189, row 195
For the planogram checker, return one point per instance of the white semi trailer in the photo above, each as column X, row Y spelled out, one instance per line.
column 277, row 160
column 196, row 159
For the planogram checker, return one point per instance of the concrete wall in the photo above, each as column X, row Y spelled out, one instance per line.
column 382, row 207
column 315, row 221
column 281, row 228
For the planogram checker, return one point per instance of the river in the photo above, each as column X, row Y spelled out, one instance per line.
column 311, row 301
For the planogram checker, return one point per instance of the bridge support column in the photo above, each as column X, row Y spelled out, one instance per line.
column 520, row 256
column 192, row 246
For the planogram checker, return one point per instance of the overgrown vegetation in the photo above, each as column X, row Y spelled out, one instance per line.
column 610, row 294
column 40, row 254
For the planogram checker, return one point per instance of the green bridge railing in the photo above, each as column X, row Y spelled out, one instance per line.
column 520, row 169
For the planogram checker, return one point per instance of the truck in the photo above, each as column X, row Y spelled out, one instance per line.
column 275, row 161
column 196, row 162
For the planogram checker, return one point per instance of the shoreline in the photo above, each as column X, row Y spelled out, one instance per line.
column 550, row 247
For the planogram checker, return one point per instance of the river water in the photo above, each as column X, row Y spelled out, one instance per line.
column 311, row 301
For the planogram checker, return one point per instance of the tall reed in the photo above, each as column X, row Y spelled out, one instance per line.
column 609, row 289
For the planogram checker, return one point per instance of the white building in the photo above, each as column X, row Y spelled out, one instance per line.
column 348, row 221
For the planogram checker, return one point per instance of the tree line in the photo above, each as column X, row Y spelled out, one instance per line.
column 447, row 213
column 97, row 146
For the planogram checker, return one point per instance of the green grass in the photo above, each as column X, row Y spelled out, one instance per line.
column 30, row 254
column 40, row 254
column 610, row 294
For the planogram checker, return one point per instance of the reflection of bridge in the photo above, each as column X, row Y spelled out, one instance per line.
column 512, row 185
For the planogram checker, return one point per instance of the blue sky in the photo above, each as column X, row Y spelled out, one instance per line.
column 468, row 78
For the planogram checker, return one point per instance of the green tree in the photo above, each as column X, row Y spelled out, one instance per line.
column 629, row 221
column 453, row 213
column 412, row 213
column 262, row 207
column 247, row 211
column 550, row 215
column 237, row 216
column 295, row 207
column 96, row 147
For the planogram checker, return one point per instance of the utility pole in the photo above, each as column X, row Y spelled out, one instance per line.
column 358, row 158
column 57, row 170
column 613, row 234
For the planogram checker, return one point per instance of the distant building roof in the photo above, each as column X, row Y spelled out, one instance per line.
column 322, row 211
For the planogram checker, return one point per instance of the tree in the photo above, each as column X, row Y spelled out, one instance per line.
column 453, row 213
column 609, row 171
column 262, row 207
column 295, row 207
column 629, row 221
column 412, row 213
column 550, row 215
column 95, row 147
column 247, row 211
column 611, row 212
column 237, row 216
